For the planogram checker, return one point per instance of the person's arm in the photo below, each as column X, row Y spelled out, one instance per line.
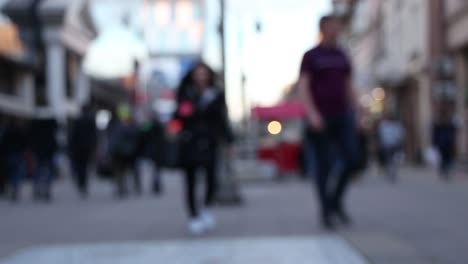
column 226, row 130
column 313, row 115
column 353, row 96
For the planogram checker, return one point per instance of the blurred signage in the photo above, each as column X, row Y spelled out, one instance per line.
column 173, row 26
column 162, row 76
column 168, row 27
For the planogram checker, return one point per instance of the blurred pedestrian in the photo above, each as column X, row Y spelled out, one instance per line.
column 14, row 148
column 43, row 138
column 82, row 147
column 391, row 135
column 444, row 140
column 3, row 157
column 362, row 159
column 151, row 141
column 123, row 140
column 331, row 104
column 203, row 114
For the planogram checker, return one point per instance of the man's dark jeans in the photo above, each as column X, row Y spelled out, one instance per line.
column 16, row 172
column 340, row 137
column 43, row 177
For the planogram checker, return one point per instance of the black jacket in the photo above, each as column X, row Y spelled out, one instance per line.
column 82, row 137
column 43, row 137
column 14, row 140
column 204, row 127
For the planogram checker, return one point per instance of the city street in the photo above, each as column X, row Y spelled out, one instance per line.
column 418, row 220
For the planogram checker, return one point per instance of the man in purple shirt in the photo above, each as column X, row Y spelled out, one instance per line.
column 325, row 84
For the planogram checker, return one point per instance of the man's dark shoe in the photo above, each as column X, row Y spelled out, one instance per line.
column 327, row 222
column 157, row 189
column 343, row 217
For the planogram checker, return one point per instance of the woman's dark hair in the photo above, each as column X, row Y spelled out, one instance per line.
column 187, row 82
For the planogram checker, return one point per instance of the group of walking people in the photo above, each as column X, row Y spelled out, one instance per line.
column 31, row 148
column 32, row 151
column 27, row 151
column 332, row 121
column 332, row 114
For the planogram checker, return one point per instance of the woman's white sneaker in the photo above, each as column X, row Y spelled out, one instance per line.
column 196, row 227
column 208, row 219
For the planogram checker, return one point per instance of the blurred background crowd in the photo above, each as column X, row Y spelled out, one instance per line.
column 69, row 68
column 125, row 91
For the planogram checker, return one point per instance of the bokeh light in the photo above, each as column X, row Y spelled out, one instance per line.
column 275, row 128
column 365, row 100
column 378, row 94
column 103, row 118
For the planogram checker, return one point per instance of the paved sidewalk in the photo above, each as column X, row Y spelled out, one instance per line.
column 321, row 250
column 418, row 220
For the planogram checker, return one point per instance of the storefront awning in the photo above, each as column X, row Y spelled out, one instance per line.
column 283, row 111
column 10, row 44
column 11, row 48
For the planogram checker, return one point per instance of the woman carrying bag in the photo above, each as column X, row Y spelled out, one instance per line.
column 202, row 113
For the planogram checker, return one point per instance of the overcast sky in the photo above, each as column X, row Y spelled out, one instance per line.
column 271, row 59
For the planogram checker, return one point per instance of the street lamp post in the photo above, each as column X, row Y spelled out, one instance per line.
column 228, row 192
column 222, row 22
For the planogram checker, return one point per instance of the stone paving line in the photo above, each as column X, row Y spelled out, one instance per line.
column 320, row 250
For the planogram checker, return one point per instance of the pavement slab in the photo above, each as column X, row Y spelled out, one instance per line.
column 320, row 250
column 419, row 219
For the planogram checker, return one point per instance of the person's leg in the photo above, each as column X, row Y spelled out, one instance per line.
column 136, row 176
column 211, row 184
column 451, row 161
column 389, row 163
column 75, row 164
column 84, row 177
column 190, row 191
column 157, row 185
column 207, row 217
column 3, row 175
column 74, row 170
column 119, row 172
column 80, row 168
column 48, row 178
column 2, row 183
column 445, row 163
column 345, row 136
column 394, row 163
column 321, row 147
column 38, row 171
column 310, row 159
column 15, row 174
column 197, row 224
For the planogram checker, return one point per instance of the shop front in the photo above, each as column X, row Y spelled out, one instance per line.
column 16, row 73
column 280, row 131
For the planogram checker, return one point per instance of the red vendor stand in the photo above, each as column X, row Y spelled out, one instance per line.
column 283, row 153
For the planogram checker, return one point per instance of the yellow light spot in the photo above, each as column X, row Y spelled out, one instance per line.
column 275, row 127
column 377, row 107
column 378, row 94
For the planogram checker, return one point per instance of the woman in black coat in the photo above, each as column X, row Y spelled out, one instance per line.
column 203, row 115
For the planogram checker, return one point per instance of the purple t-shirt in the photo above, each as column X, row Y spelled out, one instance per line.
column 329, row 70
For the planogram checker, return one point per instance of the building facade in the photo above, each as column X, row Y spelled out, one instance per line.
column 390, row 47
column 16, row 70
column 456, row 35
column 55, row 40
